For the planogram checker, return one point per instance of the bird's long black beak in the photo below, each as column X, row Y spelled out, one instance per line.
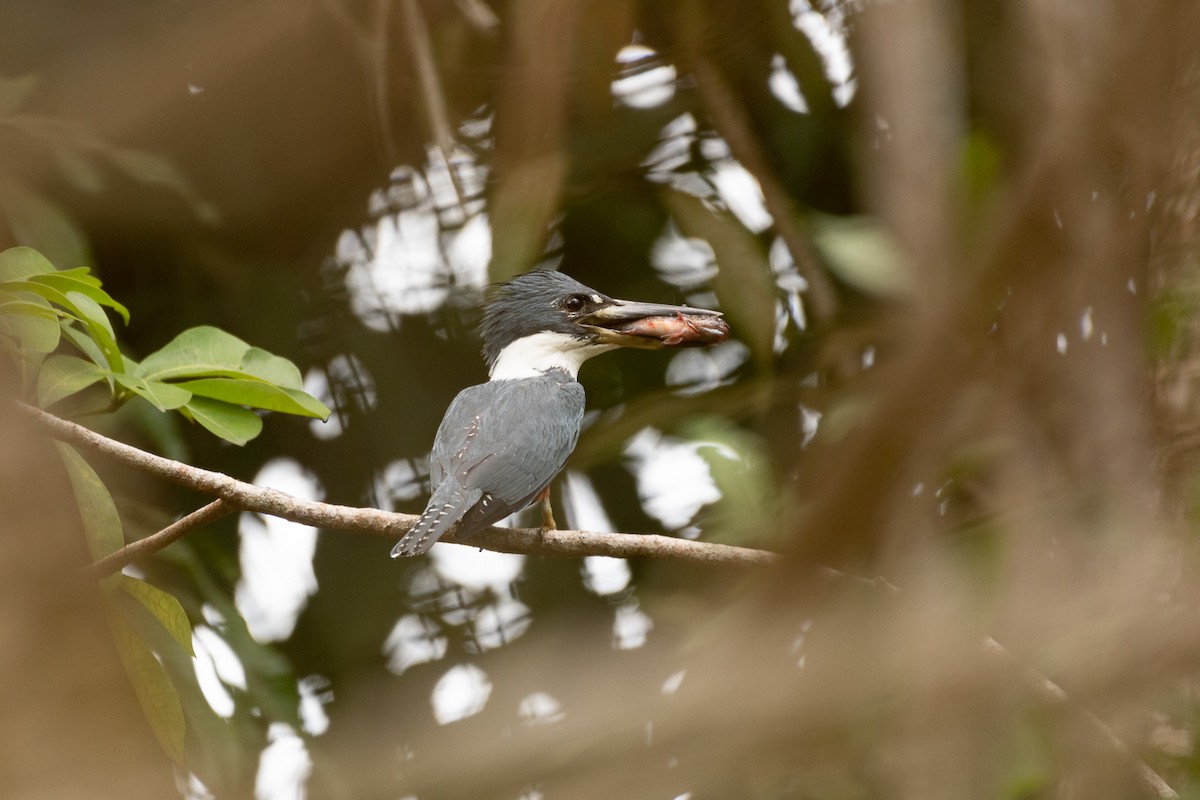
column 626, row 323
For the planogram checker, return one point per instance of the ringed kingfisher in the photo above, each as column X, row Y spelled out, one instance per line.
column 501, row 443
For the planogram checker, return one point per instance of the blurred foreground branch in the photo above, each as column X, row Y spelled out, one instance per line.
column 1150, row 782
column 240, row 496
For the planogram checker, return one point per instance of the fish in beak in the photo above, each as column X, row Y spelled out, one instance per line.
column 651, row 325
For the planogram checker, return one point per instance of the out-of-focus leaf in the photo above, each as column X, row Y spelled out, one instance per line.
column 43, row 225
column 258, row 394
column 21, row 262
column 271, row 368
column 101, row 523
column 155, row 693
column 79, row 171
column 156, row 170
column 741, row 471
column 270, row 679
column 522, row 208
column 980, row 165
column 200, row 351
column 15, row 91
column 62, row 376
column 73, row 283
column 744, row 283
column 861, row 253
column 163, row 396
column 165, row 608
column 231, row 423
column 1172, row 312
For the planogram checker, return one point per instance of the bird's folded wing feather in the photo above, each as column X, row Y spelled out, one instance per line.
column 499, row 444
column 517, row 438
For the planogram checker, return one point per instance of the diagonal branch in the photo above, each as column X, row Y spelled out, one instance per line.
column 1151, row 783
column 733, row 123
column 116, row 561
column 241, row 496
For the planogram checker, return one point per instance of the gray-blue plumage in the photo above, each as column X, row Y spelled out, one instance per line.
column 500, row 444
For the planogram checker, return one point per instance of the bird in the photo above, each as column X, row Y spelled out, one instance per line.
column 501, row 443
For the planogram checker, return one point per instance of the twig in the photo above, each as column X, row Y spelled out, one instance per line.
column 417, row 33
column 238, row 495
column 131, row 552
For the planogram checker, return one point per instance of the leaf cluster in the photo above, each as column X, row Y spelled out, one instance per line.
column 209, row 376
column 55, row 328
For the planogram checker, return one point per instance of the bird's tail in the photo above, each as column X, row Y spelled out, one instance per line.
column 440, row 516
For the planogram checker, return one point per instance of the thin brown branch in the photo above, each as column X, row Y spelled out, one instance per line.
column 417, row 34
column 131, row 552
column 243, row 496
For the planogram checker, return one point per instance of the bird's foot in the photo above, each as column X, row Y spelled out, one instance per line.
column 548, row 523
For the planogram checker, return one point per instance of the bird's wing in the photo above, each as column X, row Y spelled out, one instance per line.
column 523, row 438
column 498, row 446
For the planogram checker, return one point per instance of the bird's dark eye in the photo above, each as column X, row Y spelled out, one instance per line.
column 574, row 303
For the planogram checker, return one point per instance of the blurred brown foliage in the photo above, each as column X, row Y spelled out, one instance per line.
column 1020, row 461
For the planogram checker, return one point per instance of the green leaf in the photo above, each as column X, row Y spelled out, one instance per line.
column 99, row 326
column 85, row 344
column 165, row 608
column 62, row 376
column 21, row 262
column 82, row 307
column 738, row 463
column 155, row 693
column 232, row 423
column 258, row 394
column 41, row 223
column 70, row 283
column 272, row 369
column 33, row 323
column 81, row 274
column 196, row 352
column 24, row 303
column 163, row 396
column 101, row 523
column 860, row 252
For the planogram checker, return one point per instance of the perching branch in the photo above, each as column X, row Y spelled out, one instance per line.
column 237, row 495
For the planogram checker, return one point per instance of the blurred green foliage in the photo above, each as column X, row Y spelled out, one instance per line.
column 207, row 375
